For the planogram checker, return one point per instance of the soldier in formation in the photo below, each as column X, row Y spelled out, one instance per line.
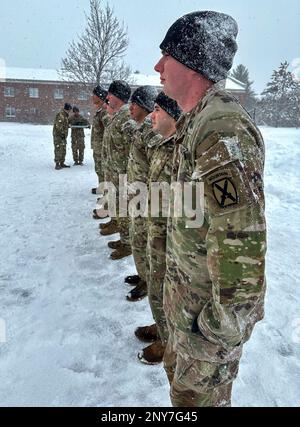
column 116, row 151
column 214, row 286
column 100, row 119
column 142, row 104
column 164, row 118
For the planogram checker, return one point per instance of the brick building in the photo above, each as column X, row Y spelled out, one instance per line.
column 35, row 95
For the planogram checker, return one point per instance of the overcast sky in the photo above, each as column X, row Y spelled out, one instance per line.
column 36, row 34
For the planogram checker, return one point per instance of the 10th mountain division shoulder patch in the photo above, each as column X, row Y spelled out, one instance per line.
column 225, row 192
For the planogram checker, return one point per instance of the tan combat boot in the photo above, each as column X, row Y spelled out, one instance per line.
column 106, row 224
column 132, row 280
column 112, row 228
column 153, row 354
column 147, row 333
column 122, row 252
column 114, row 245
column 96, row 216
column 138, row 293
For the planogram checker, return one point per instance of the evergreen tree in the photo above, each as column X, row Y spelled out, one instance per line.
column 280, row 104
column 241, row 73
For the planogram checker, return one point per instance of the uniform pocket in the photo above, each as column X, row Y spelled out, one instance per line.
column 203, row 376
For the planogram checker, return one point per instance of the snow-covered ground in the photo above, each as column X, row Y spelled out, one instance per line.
column 69, row 328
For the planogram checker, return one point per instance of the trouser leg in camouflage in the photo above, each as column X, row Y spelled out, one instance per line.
column 197, row 383
column 156, row 255
column 123, row 224
column 60, row 150
column 138, row 239
column 98, row 166
column 75, row 151
column 123, row 220
column 80, row 146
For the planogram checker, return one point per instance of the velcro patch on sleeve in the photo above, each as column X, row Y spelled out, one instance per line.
column 225, row 192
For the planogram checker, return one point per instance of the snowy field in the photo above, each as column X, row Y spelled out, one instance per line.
column 69, row 328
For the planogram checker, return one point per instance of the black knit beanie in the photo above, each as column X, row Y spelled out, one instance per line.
column 121, row 90
column 144, row 97
column 67, row 106
column 169, row 105
column 100, row 92
column 203, row 41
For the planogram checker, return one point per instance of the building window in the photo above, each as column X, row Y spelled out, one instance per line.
column 33, row 111
column 33, row 92
column 83, row 96
column 9, row 92
column 58, row 94
column 10, row 112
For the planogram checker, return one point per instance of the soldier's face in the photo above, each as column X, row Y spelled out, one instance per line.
column 114, row 104
column 96, row 101
column 162, row 122
column 108, row 106
column 137, row 113
column 109, row 110
column 175, row 77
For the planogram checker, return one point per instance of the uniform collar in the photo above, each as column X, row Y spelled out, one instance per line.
column 155, row 141
column 122, row 109
column 170, row 139
column 185, row 118
column 146, row 123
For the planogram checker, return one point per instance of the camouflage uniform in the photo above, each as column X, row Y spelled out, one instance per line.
column 104, row 152
column 77, row 136
column 116, row 149
column 99, row 121
column 60, row 135
column 160, row 171
column 215, row 280
column 138, row 170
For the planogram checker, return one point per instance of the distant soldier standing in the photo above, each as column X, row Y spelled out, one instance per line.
column 60, row 135
column 215, row 278
column 164, row 118
column 78, row 123
column 99, row 120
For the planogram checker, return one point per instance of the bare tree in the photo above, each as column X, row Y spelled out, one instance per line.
column 97, row 55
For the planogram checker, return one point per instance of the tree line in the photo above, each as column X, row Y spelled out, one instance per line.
column 279, row 103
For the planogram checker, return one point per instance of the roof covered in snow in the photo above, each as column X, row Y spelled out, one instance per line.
column 31, row 74
column 49, row 75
